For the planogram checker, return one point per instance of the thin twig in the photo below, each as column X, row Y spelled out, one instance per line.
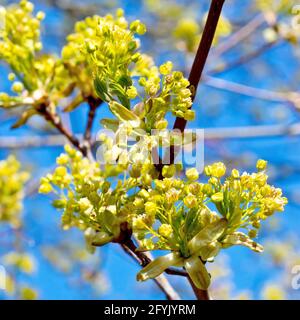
column 143, row 260
column 55, row 120
column 263, row 94
column 209, row 134
column 239, row 35
column 243, row 59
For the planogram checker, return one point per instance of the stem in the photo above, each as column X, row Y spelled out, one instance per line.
column 93, row 105
column 57, row 123
column 194, row 78
column 200, row 294
column 143, row 259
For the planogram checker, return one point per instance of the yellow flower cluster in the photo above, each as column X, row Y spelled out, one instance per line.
column 169, row 214
column 104, row 47
column 87, row 198
column 170, row 93
column 12, row 181
column 178, row 216
column 38, row 79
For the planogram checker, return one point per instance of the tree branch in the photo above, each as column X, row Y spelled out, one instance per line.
column 93, row 105
column 56, row 122
column 263, row 94
column 197, row 68
column 243, row 59
column 143, row 259
column 200, row 294
column 239, row 35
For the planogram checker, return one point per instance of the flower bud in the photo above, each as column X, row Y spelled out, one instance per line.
column 190, row 201
column 165, row 230
column 192, row 174
column 261, row 165
column 217, row 197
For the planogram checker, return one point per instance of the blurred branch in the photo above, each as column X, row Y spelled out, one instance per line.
column 55, row 140
column 243, row 59
column 252, row 131
column 239, row 35
column 210, row 133
column 74, row 9
column 290, row 97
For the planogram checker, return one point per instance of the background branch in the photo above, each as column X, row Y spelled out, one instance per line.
column 263, row 94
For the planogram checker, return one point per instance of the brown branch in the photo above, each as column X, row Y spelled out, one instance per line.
column 200, row 294
column 263, row 94
column 93, row 105
column 197, row 68
column 57, row 123
column 143, row 259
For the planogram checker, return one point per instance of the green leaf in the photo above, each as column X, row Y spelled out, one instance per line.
column 125, row 80
column 123, row 113
column 111, row 124
column 26, row 115
column 159, row 265
column 120, row 92
column 101, row 238
column 209, row 251
column 101, row 89
column 210, row 233
column 197, row 271
column 239, row 238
